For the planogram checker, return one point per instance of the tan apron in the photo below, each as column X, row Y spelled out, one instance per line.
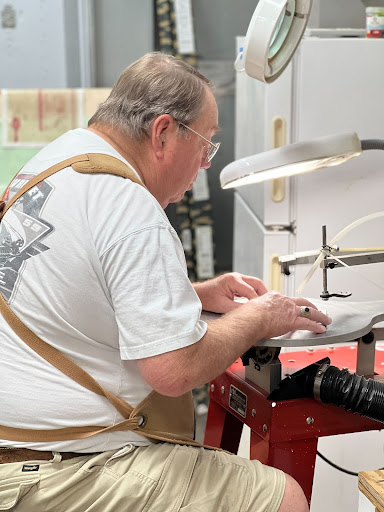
column 157, row 417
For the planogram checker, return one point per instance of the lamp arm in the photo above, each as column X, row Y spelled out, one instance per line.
column 372, row 144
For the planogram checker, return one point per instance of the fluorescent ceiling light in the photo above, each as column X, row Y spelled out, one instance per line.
column 292, row 159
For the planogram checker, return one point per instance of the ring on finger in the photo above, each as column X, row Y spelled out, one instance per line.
column 305, row 311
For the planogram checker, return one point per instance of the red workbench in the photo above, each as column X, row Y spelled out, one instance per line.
column 283, row 434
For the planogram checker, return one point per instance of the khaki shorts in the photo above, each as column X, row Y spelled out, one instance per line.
column 160, row 477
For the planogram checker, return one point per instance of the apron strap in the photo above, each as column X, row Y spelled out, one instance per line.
column 88, row 163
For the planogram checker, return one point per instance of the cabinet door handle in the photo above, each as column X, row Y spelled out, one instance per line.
column 275, row 275
column 278, row 139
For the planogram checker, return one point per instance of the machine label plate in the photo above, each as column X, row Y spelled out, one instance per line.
column 238, row 401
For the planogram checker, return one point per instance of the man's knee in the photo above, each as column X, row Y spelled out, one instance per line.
column 294, row 499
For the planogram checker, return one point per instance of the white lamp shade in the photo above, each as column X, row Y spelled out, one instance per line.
column 275, row 30
column 292, row 159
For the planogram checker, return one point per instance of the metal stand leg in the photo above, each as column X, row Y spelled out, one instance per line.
column 223, row 430
column 297, row 458
column 366, row 349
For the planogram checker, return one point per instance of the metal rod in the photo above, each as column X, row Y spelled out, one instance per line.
column 325, row 277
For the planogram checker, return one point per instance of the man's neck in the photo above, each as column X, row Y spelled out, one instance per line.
column 132, row 152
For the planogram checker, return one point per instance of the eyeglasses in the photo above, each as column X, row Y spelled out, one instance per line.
column 212, row 148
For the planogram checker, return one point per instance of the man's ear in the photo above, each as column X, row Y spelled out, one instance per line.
column 161, row 131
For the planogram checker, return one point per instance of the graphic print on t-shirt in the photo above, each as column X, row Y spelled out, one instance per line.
column 21, row 232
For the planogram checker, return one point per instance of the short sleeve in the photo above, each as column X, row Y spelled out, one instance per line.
column 156, row 307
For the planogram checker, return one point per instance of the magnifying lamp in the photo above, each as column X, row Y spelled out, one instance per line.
column 295, row 159
column 275, row 30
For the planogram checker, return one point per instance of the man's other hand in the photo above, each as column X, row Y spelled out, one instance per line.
column 218, row 295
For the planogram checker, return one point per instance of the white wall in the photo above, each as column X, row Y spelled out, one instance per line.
column 337, row 14
column 45, row 47
column 40, row 50
column 124, row 31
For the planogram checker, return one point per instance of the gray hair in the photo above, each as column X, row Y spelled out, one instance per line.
column 154, row 85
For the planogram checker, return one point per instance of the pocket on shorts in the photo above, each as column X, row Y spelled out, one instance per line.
column 174, row 480
column 15, row 489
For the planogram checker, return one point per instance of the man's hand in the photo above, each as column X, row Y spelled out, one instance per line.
column 281, row 314
column 217, row 295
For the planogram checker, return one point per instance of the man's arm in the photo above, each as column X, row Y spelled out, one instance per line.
column 174, row 373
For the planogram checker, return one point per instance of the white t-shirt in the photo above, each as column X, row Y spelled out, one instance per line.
column 91, row 264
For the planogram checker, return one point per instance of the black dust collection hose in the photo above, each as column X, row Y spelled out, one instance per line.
column 372, row 144
column 353, row 392
column 329, row 384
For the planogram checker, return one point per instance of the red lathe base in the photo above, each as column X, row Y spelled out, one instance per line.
column 283, row 434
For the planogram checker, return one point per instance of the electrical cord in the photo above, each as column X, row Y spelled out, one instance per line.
column 335, row 465
column 339, row 468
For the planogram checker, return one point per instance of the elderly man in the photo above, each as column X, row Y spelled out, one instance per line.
column 99, row 417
